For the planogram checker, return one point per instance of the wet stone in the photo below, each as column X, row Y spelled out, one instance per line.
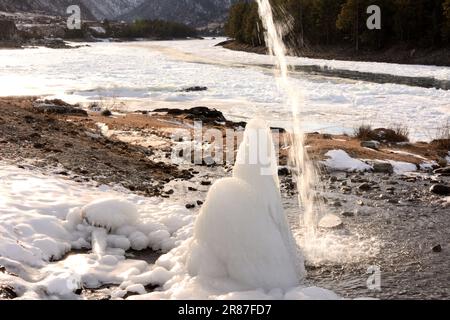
column 365, row 187
column 440, row 189
column 7, row 292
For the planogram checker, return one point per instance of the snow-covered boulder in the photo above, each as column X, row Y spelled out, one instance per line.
column 110, row 213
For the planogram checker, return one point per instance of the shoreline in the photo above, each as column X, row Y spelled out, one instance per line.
column 398, row 55
column 381, row 78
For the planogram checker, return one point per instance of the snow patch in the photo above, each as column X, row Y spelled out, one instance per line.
column 403, row 167
column 339, row 160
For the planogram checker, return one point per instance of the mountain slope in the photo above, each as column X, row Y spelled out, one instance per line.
column 191, row 12
column 50, row 7
column 109, row 9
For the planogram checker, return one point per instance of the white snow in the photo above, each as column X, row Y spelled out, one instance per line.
column 339, row 160
column 403, row 167
column 34, row 230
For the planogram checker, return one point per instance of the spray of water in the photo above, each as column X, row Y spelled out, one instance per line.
column 307, row 180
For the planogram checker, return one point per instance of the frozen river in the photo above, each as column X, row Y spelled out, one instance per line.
column 148, row 75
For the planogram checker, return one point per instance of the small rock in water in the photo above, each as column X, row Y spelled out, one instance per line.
column 199, row 202
column 370, row 144
column 346, row 189
column 440, row 189
column 333, row 179
column 190, row 206
column 195, row 89
column 205, row 183
column 437, row 248
column 330, row 221
column 348, row 214
column 192, row 189
column 336, row 203
column 365, row 187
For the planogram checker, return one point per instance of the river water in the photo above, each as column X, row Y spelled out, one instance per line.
column 147, row 75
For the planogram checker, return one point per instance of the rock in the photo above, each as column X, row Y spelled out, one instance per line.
column 365, row 187
column 283, row 171
column 333, row 179
column 171, row 191
column 330, row 221
column 197, row 114
column 199, row 202
column 57, row 106
column 441, row 162
column 39, row 145
column 383, row 167
column 192, row 189
column 106, row 113
column 440, row 189
column 7, row 292
column 348, row 214
column 370, row 144
column 336, row 203
column 346, row 189
column 205, row 183
column 437, row 248
column 190, row 206
column 443, row 171
column 195, row 89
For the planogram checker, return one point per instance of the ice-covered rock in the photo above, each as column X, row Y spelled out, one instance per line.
column 110, row 213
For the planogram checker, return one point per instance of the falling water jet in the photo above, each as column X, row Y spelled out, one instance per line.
column 307, row 179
